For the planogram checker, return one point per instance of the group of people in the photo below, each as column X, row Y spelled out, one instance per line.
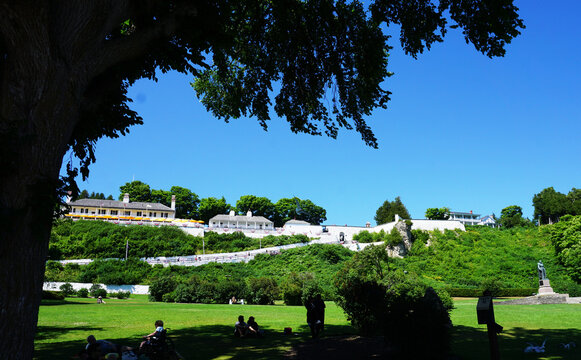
column 249, row 329
column 315, row 315
column 106, row 350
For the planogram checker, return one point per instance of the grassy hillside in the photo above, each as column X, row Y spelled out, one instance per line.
column 506, row 258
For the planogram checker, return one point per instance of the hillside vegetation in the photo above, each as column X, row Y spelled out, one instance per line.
column 85, row 239
column 478, row 258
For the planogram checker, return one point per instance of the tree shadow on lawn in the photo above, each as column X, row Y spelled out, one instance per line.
column 59, row 350
column 219, row 342
column 200, row 342
column 64, row 302
column 472, row 343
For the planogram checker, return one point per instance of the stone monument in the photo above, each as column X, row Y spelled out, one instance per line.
column 544, row 283
column 546, row 294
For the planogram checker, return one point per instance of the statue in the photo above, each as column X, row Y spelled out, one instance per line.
column 542, row 271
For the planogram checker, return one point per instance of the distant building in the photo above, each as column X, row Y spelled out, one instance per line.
column 233, row 221
column 466, row 218
column 106, row 209
column 489, row 221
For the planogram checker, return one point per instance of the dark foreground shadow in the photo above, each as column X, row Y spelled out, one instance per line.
column 201, row 342
column 472, row 343
column 337, row 342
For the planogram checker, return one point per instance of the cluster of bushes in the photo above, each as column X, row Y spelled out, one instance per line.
column 566, row 237
column 393, row 238
column 261, row 291
column 95, row 290
column 85, row 239
column 379, row 299
column 503, row 292
column 294, row 289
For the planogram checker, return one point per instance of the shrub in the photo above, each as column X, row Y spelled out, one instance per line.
column 100, row 292
column 262, row 291
column 120, row 294
column 83, row 293
column 226, row 289
column 491, row 285
column 363, row 237
column 52, row 295
column 93, row 290
column 411, row 315
column 292, row 288
column 394, row 238
column 168, row 298
column 67, row 289
column 160, row 286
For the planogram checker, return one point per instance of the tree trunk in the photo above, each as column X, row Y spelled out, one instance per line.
column 38, row 113
column 23, row 249
column 27, row 204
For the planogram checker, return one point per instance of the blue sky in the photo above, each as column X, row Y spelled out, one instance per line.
column 462, row 131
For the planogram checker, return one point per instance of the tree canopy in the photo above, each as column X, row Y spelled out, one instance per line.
column 211, row 206
column 294, row 208
column 66, row 67
column 438, row 213
column 550, row 204
column 387, row 211
column 260, row 206
column 511, row 216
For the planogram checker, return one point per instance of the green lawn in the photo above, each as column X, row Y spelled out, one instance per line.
column 205, row 331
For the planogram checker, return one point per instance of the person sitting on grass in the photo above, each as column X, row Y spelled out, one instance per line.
column 240, row 328
column 152, row 339
column 97, row 349
column 253, row 328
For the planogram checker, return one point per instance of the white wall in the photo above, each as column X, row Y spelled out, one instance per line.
column 133, row 289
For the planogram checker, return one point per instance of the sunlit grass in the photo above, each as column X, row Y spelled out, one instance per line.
column 204, row 331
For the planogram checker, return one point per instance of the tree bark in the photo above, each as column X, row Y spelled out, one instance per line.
column 39, row 102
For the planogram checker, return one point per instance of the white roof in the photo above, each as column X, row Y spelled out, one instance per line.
column 241, row 218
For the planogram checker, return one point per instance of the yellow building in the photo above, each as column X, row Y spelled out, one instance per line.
column 123, row 210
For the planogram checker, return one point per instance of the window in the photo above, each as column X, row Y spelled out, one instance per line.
column 102, row 211
column 154, row 214
column 86, row 211
column 114, row 212
column 82, row 211
column 139, row 213
column 74, row 210
column 150, row 214
column 127, row 213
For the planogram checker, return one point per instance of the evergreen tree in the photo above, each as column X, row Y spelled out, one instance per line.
column 386, row 212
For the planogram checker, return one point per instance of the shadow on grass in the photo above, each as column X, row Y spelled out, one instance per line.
column 201, row 342
column 59, row 350
column 472, row 343
column 63, row 302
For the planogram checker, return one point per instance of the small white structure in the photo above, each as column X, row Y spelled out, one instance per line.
column 489, row 221
column 233, row 221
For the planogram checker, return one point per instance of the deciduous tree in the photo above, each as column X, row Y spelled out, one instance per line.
column 511, row 216
column 438, row 213
column 260, row 206
column 295, row 208
column 211, row 206
column 137, row 190
column 550, row 205
column 65, row 68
